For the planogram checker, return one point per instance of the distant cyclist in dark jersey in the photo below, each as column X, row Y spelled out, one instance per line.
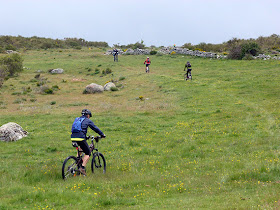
column 147, row 62
column 80, row 136
column 188, row 66
column 115, row 54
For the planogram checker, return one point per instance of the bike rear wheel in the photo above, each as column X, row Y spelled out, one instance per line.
column 185, row 76
column 190, row 76
column 70, row 167
column 98, row 163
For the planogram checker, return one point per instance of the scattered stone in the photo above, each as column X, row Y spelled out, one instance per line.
column 10, row 51
column 94, row 88
column 56, row 71
column 108, row 86
column 12, row 132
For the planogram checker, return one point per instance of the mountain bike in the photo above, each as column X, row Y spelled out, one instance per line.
column 188, row 75
column 116, row 58
column 71, row 165
column 147, row 69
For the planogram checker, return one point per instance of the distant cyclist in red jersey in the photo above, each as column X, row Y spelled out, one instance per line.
column 147, row 62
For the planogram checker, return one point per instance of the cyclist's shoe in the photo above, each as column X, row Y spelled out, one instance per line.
column 83, row 171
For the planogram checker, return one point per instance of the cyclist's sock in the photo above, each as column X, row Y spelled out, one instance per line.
column 83, row 167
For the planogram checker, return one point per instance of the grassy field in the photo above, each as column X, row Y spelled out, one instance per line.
column 212, row 142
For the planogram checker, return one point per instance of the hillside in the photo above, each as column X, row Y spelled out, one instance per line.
column 212, row 142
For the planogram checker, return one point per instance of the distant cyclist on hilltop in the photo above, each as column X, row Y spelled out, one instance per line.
column 147, row 62
column 115, row 54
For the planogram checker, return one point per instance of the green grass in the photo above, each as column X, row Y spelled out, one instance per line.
column 212, row 142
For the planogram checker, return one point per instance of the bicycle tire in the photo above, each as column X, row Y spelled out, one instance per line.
column 190, row 76
column 69, row 167
column 98, row 162
column 185, row 76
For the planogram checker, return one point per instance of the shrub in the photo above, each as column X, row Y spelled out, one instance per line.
column 85, row 92
column 97, row 71
column 33, row 80
column 3, row 74
column 108, row 71
column 53, row 102
column 153, row 52
column 198, row 49
column 251, row 48
column 46, row 90
column 238, row 51
column 55, row 87
column 2, row 50
column 235, row 53
column 78, row 48
column 17, row 93
column 122, row 78
column 13, row 62
column 114, row 89
column 33, row 99
column 248, row 57
column 10, row 47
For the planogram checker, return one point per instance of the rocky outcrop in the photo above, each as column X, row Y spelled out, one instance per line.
column 12, row 132
column 168, row 50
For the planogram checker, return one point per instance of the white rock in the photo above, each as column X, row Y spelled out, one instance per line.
column 12, row 132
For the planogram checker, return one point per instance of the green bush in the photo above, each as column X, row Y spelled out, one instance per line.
column 239, row 50
column 114, row 89
column 10, row 47
column 248, row 57
column 2, row 50
column 153, row 52
column 85, row 92
column 108, row 71
column 13, row 62
column 53, row 102
column 17, row 101
column 48, row 91
column 122, row 78
column 97, row 71
column 55, row 87
column 251, row 48
column 235, row 53
column 17, row 93
column 3, row 74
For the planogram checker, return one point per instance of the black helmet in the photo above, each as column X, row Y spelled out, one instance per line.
column 86, row 112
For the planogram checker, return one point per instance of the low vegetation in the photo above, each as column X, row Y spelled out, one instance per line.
column 209, row 143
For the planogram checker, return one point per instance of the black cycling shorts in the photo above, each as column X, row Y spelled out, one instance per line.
column 84, row 146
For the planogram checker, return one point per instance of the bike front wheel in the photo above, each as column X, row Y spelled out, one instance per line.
column 70, row 167
column 98, row 163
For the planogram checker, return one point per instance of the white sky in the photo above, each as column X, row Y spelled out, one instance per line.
column 156, row 22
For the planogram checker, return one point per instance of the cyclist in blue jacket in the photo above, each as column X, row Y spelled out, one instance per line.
column 80, row 136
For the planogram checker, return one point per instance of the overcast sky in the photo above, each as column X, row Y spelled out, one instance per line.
column 156, row 22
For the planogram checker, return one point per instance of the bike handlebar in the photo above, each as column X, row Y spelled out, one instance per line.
column 96, row 138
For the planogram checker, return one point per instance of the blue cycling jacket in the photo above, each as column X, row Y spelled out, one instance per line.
column 80, row 136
